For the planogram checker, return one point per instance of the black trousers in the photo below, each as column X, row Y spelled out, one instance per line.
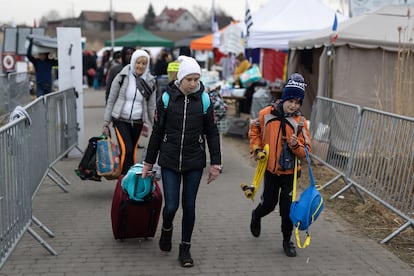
column 277, row 189
column 128, row 134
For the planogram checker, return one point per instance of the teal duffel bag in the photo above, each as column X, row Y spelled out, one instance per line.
column 138, row 188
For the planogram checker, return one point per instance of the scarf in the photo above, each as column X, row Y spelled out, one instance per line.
column 143, row 87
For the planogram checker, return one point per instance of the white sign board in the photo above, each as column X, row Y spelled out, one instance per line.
column 358, row 7
column 70, row 69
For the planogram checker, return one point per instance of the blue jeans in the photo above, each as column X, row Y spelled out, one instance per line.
column 171, row 182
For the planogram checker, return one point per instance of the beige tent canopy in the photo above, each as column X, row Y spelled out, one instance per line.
column 370, row 62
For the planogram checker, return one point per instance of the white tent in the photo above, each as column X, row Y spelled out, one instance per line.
column 369, row 64
column 231, row 39
column 279, row 21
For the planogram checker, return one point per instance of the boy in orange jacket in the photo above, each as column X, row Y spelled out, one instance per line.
column 278, row 124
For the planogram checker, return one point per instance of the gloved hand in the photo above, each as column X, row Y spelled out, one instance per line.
column 147, row 170
column 213, row 173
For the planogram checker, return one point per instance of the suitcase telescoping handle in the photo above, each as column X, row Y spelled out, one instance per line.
column 138, row 177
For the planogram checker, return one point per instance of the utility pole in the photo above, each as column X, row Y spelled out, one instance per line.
column 111, row 18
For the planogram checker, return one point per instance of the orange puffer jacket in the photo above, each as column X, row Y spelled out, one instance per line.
column 267, row 130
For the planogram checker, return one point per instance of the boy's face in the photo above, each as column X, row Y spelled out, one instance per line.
column 291, row 105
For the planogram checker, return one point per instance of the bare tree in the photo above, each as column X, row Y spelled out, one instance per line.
column 202, row 14
column 149, row 18
column 52, row 15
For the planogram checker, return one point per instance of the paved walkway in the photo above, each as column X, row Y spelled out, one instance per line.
column 222, row 243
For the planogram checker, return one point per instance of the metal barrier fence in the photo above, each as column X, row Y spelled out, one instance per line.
column 14, row 91
column 15, row 198
column 62, row 130
column 4, row 88
column 29, row 147
column 370, row 150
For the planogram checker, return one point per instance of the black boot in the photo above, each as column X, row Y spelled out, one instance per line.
column 185, row 256
column 255, row 226
column 289, row 248
column 165, row 239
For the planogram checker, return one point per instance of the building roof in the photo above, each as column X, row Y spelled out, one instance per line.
column 97, row 16
column 173, row 14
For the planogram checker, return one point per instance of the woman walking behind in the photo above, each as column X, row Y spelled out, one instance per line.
column 131, row 103
column 180, row 133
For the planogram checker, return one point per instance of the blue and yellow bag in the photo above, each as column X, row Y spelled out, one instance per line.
column 107, row 159
column 306, row 210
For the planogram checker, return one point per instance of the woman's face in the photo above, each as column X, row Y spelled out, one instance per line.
column 189, row 83
column 140, row 65
column 291, row 105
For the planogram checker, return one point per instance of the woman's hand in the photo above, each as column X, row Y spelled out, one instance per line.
column 147, row 170
column 215, row 170
column 106, row 131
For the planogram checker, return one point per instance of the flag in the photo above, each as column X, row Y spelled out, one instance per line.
column 214, row 27
column 248, row 20
column 335, row 24
column 334, row 28
column 214, row 24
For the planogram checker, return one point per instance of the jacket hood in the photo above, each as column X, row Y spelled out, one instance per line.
column 137, row 54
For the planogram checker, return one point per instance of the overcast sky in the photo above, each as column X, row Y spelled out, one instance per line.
column 26, row 11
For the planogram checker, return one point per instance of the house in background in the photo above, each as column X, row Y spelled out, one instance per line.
column 100, row 21
column 176, row 20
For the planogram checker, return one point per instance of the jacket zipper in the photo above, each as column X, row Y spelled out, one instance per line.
column 132, row 107
column 183, row 131
column 277, row 148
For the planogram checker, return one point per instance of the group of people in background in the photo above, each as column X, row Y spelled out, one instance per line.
column 96, row 70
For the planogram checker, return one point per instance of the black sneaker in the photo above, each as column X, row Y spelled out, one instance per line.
column 289, row 248
column 255, row 226
column 185, row 256
column 165, row 239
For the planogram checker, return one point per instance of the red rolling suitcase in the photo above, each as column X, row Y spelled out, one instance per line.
column 135, row 219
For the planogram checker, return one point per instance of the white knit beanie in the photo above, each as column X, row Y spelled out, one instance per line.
column 188, row 65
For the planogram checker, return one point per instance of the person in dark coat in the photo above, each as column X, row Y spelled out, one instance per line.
column 126, row 54
column 181, row 130
column 43, row 67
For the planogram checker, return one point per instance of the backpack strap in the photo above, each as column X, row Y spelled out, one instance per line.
column 297, row 127
column 165, row 99
column 122, row 80
column 205, row 98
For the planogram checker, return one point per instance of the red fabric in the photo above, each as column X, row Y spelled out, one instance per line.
column 274, row 65
column 217, row 56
